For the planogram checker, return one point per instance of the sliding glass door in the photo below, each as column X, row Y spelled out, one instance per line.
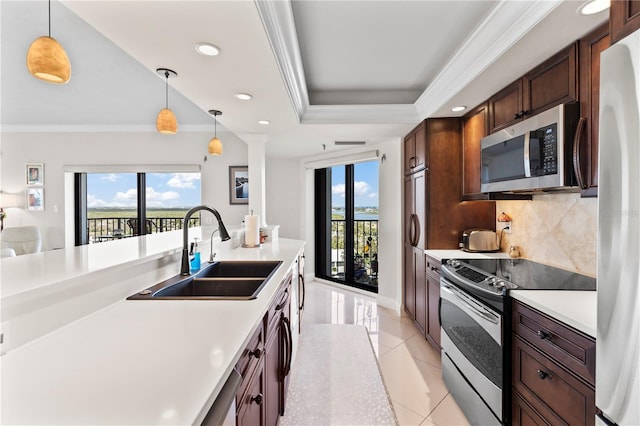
column 346, row 199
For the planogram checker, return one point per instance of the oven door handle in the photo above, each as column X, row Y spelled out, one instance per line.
column 484, row 315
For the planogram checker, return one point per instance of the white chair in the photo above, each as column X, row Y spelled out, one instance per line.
column 7, row 252
column 22, row 239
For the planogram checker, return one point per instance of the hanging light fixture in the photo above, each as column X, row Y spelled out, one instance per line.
column 215, row 146
column 166, row 121
column 47, row 59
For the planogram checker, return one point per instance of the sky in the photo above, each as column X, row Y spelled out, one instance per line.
column 365, row 185
column 163, row 190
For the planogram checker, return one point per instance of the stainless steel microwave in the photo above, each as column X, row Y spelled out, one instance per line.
column 535, row 154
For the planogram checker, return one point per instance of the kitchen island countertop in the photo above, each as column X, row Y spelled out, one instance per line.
column 138, row 361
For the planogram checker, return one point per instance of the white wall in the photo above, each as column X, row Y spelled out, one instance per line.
column 56, row 150
column 284, row 196
column 389, row 226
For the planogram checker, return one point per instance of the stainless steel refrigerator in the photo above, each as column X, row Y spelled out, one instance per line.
column 618, row 333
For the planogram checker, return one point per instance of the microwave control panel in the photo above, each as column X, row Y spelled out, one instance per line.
column 544, row 151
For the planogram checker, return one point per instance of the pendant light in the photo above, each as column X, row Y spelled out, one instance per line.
column 215, row 146
column 47, row 59
column 166, row 121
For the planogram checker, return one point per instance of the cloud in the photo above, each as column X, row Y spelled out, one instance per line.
column 360, row 189
column 183, row 180
column 153, row 195
column 93, row 201
column 373, row 195
column 338, row 189
column 130, row 194
column 111, row 177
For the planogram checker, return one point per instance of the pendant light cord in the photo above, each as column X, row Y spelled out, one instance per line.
column 49, row 18
column 215, row 126
column 166, row 89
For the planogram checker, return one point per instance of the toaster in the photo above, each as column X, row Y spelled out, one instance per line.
column 479, row 240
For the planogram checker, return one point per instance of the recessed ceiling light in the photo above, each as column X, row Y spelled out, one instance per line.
column 243, row 96
column 207, row 49
column 592, row 7
column 264, row 122
column 458, row 108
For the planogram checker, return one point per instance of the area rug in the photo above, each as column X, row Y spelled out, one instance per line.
column 336, row 380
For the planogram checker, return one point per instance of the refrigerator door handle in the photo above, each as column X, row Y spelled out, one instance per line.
column 602, row 420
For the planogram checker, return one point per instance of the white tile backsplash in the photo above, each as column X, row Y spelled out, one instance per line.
column 556, row 229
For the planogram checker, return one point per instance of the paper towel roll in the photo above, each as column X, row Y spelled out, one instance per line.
column 251, row 230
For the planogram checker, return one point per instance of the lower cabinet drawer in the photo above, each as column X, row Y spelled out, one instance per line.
column 523, row 414
column 250, row 359
column 553, row 392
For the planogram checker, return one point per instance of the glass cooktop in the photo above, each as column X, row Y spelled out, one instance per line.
column 529, row 275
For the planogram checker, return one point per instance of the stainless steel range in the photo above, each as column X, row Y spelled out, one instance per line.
column 475, row 315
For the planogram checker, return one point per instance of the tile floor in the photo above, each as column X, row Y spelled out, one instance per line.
column 410, row 366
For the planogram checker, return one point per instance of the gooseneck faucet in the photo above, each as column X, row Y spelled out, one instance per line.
column 224, row 235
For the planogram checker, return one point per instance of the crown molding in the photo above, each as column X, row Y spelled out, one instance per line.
column 361, row 114
column 277, row 19
column 63, row 128
column 502, row 28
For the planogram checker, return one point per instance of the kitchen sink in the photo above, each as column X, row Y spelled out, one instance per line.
column 224, row 280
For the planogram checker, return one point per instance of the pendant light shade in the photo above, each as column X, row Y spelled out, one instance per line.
column 47, row 59
column 215, row 146
column 166, row 122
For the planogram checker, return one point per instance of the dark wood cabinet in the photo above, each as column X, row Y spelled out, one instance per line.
column 551, row 83
column 624, row 18
column 415, row 149
column 421, row 291
column 432, row 275
column 475, row 126
column 586, row 150
column 553, row 371
column 506, row 106
column 250, row 406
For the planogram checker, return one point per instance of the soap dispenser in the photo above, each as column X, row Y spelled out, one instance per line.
column 195, row 252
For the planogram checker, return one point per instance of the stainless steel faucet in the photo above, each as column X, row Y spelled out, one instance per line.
column 224, row 235
column 211, row 253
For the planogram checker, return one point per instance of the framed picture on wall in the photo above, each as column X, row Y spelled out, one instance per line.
column 35, row 199
column 238, row 185
column 35, row 174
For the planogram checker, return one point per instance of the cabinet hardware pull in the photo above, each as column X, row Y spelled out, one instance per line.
column 283, row 301
column 516, row 116
column 257, row 399
column 257, row 352
column 544, row 335
column 577, row 141
column 433, row 268
column 543, row 374
column 301, row 280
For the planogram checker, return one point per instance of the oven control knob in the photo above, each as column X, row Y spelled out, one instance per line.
column 500, row 284
column 453, row 263
column 491, row 281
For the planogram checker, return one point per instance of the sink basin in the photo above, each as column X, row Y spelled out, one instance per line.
column 225, row 280
column 245, row 269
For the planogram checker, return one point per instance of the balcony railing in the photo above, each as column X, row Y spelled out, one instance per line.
column 365, row 250
column 100, row 229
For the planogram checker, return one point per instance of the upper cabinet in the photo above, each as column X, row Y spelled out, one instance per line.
column 551, row 83
column 475, row 126
column 586, row 146
column 624, row 18
column 415, row 154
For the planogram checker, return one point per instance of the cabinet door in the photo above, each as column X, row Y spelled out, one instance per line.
column 409, row 152
column 505, row 107
column 624, row 18
column 251, row 406
column 433, row 319
column 421, row 290
column 272, row 368
column 475, row 126
column 409, row 282
column 553, row 82
column 421, row 146
column 587, row 150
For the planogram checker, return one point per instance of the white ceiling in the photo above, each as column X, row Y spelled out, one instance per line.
column 320, row 71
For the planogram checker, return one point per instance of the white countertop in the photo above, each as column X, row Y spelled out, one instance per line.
column 461, row 254
column 577, row 309
column 133, row 361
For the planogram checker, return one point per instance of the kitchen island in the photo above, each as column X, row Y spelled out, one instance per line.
column 129, row 361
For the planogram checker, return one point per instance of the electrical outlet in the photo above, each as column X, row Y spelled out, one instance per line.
column 505, row 227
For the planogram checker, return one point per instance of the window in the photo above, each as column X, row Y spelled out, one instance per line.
column 124, row 204
column 347, row 224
